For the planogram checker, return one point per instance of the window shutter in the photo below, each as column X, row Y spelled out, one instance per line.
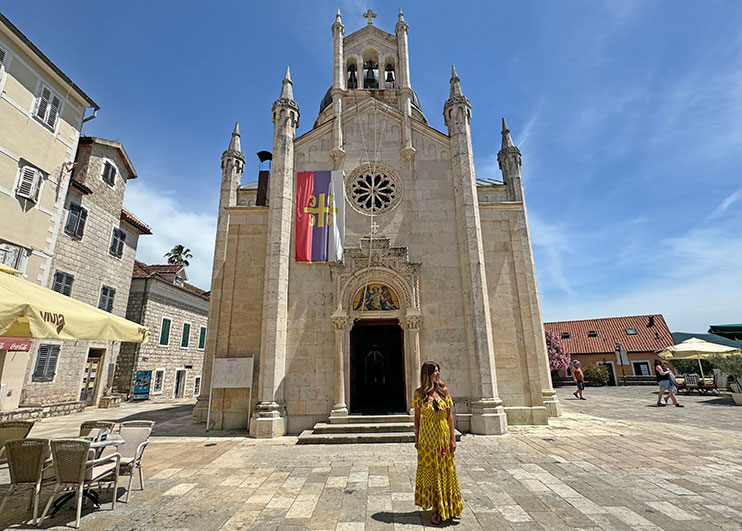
column 57, row 286
column 51, row 363
column 56, row 103
column 68, row 279
column 165, row 332
column 114, row 244
column 41, row 360
column 185, row 338
column 2, row 57
column 72, row 219
column 122, row 239
column 43, row 103
column 81, row 222
column 26, row 185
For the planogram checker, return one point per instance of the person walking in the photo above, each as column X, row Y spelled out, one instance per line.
column 436, row 482
column 665, row 382
column 578, row 377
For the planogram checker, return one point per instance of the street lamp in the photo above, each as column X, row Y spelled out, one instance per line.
column 620, row 360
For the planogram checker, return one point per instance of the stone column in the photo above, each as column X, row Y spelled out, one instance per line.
column 404, row 86
column 488, row 416
column 337, row 153
column 270, row 420
column 340, row 409
column 413, row 321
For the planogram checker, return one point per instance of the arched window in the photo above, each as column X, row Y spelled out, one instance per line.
column 389, row 76
column 352, row 76
column 370, row 74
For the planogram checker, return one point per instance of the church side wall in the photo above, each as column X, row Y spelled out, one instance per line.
column 241, row 311
column 517, row 357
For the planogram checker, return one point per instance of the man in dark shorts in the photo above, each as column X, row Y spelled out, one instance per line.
column 579, row 378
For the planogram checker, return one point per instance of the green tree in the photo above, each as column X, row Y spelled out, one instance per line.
column 179, row 255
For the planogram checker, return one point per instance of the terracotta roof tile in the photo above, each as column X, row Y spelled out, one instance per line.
column 134, row 222
column 612, row 329
column 142, row 270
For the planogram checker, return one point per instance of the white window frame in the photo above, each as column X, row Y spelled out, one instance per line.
column 154, row 380
column 190, row 329
column 199, row 338
column 197, row 379
column 34, row 193
column 185, row 382
column 169, row 332
column 649, row 365
column 39, row 101
column 103, row 171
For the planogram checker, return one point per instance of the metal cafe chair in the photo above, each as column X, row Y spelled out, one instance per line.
column 136, row 438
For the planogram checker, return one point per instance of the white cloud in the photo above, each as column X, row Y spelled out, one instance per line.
column 726, row 203
column 172, row 224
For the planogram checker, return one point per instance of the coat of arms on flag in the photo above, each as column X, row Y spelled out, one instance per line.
column 320, row 216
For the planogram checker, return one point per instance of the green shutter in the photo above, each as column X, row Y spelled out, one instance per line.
column 165, row 332
column 202, row 338
column 186, row 335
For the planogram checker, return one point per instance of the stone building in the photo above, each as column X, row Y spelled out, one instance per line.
column 176, row 314
column 42, row 112
column 93, row 261
column 437, row 264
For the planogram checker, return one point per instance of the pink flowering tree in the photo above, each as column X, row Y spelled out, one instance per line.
column 558, row 358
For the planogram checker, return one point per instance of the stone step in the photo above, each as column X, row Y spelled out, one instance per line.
column 311, row 437
column 376, row 427
column 372, row 419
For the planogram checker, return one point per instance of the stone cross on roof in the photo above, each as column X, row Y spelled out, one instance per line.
column 370, row 15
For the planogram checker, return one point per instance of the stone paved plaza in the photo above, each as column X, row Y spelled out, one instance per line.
column 611, row 462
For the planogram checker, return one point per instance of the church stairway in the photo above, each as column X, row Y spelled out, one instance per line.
column 353, row 429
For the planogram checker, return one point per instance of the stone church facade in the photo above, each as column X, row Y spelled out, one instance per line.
column 437, row 264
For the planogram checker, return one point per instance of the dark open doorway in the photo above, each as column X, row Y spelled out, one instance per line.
column 377, row 384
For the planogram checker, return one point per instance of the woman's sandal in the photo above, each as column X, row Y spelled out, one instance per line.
column 435, row 518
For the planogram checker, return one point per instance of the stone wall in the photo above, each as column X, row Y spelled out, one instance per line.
column 51, row 410
column 88, row 259
column 163, row 300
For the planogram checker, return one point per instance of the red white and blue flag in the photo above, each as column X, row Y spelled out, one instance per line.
column 320, row 216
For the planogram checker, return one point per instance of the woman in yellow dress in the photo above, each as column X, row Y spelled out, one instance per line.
column 436, row 483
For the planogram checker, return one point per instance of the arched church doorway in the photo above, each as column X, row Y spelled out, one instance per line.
column 377, row 384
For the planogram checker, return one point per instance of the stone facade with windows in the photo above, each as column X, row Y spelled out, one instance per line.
column 93, row 260
column 176, row 314
column 42, row 112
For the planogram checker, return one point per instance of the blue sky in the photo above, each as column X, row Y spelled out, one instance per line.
column 628, row 115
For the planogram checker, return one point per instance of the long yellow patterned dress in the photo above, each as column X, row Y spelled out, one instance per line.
column 436, row 483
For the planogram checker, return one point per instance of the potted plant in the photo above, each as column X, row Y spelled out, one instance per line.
column 732, row 366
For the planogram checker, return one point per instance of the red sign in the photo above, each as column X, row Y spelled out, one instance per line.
column 15, row 343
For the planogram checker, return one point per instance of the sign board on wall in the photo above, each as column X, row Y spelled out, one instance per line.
column 230, row 373
column 19, row 344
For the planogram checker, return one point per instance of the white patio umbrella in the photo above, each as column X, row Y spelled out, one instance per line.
column 699, row 349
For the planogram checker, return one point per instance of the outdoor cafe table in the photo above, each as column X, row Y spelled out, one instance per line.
column 113, row 439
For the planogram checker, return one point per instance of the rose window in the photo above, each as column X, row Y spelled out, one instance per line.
column 373, row 192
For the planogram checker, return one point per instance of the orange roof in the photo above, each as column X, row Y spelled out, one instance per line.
column 599, row 336
column 134, row 222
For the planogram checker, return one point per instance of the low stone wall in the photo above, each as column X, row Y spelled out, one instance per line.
column 52, row 410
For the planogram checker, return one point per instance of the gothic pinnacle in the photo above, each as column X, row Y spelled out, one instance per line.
column 455, row 84
column 506, row 140
column 287, row 91
column 338, row 20
column 400, row 16
column 234, row 143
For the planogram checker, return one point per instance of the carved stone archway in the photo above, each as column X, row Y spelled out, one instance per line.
column 374, row 261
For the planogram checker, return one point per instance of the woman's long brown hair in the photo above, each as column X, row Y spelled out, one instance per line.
column 427, row 385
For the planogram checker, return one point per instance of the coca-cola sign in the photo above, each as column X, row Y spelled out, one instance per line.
column 15, row 343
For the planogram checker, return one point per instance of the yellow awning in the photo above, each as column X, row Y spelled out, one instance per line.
column 29, row 310
column 7, row 269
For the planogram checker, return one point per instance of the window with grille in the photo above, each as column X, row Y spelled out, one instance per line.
column 165, row 331
column 109, row 174
column 63, row 283
column 117, row 243
column 106, row 298
column 11, row 255
column 76, row 220
column 29, row 183
column 46, row 363
column 196, row 386
column 185, row 338
column 202, row 338
column 48, row 106
column 158, row 381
